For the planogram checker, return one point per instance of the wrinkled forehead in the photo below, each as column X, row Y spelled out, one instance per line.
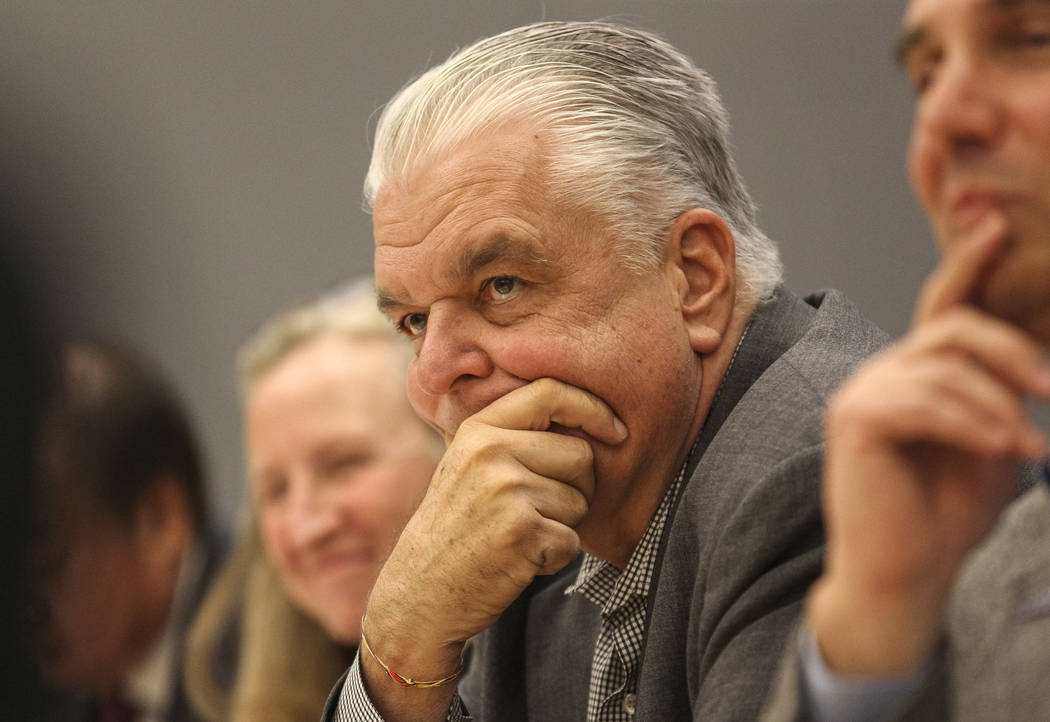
column 928, row 25
column 513, row 153
column 498, row 175
column 920, row 12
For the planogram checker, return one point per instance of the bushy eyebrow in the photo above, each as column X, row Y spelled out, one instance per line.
column 471, row 260
column 907, row 40
column 498, row 249
column 386, row 302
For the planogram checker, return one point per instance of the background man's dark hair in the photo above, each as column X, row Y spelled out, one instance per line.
column 111, row 428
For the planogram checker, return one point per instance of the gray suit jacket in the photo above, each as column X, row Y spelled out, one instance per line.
column 743, row 545
column 997, row 652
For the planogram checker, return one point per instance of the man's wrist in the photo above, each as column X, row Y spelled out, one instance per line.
column 403, row 645
column 833, row 697
column 398, row 702
column 403, row 680
column 863, row 633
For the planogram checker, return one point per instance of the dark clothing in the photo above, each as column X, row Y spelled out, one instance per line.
column 66, row 707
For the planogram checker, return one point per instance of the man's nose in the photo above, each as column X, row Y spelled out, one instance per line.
column 960, row 110
column 451, row 351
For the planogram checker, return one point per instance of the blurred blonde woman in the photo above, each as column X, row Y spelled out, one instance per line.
column 337, row 462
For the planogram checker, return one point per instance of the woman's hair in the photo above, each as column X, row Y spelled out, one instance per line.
column 252, row 654
column 348, row 311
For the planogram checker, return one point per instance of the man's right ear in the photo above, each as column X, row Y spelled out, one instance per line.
column 164, row 524
column 701, row 245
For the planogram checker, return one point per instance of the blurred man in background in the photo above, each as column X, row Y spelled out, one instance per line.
column 121, row 548
column 923, row 612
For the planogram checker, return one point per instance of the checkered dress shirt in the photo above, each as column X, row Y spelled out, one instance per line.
column 621, row 597
column 614, row 667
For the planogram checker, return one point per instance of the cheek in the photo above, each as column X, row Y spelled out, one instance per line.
column 923, row 170
column 424, row 404
column 84, row 587
column 69, row 604
column 564, row 356
column 274, row 536
column 89, row 618
column 1032, row 110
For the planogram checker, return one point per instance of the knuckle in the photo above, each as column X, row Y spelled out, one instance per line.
column 521, row 525
column 467, row 426
column 507, row 536
column 955, row 321
column 548, row 387
column 481, row 444
column 556, row 550
column 578, row 506
column 489, row 451
column 956, row 327
column 581, row 449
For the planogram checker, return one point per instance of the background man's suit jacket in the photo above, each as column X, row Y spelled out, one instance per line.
column 996, row 663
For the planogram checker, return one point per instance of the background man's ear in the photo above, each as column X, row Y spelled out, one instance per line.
column 164, row 525
column 702, row 247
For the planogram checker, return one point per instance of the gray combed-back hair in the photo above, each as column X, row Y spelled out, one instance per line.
column 639, row 134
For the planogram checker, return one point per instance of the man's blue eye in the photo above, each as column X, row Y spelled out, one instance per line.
column 503, row 288
column 414, row 324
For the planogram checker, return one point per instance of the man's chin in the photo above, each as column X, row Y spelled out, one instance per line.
column 1004, row 299
column 1038, row 327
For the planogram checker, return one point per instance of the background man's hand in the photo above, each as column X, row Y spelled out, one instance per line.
column 923, row 445
column 501, row 508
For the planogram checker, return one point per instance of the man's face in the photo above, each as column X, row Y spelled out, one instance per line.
column 498, row 284
column 981, row 137
column 338, row 463
column 105, row 605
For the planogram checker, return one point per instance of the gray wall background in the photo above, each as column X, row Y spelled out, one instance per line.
column 199, row 163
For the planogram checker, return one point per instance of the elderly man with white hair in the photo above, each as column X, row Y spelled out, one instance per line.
column 602, row 337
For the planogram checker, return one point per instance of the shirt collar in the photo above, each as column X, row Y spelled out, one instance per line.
column 601, row 582
column 606, row 586
column 149, row 685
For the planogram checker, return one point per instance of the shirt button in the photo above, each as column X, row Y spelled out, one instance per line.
column 629, row 701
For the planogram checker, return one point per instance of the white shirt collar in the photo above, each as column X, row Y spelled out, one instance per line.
column 149, row 685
